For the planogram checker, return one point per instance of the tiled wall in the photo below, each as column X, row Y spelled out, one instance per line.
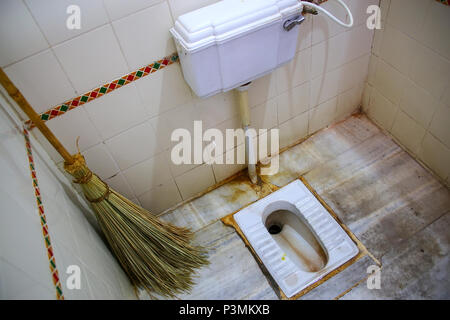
column 24, row 264
column 125, row 134
column 408, row 91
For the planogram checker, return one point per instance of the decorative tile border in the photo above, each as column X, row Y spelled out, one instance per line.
column 105, row 89
column 43, row 219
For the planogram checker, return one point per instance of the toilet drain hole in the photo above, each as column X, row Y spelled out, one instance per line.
column 275, row 229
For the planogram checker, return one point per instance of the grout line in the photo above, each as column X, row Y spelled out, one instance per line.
column 350, row 289
column 133, row 12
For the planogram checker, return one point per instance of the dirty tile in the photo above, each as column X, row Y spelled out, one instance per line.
column 416, row 269
column 214, row 205
column 337, row 171
column 401, row 219
column 293, row 163
column 230, row 263
column 322, row 147
column 341, row 282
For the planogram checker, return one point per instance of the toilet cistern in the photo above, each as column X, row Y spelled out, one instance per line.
column 232, row 42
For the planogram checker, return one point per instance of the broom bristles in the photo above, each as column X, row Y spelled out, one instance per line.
column 157, row 256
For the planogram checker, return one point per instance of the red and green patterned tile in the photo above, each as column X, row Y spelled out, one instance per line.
column 105, row 89
column 45, row 233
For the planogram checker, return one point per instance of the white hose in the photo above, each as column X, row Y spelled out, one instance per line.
column 319, row 8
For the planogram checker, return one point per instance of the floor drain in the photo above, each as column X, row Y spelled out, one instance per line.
column 275, row 229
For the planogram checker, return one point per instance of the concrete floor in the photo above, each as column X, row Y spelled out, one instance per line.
column 398, row 210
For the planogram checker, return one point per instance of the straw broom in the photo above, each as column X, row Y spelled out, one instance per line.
column 158, row 257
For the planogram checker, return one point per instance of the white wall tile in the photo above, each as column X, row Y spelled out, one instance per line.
column 293, row 130
column 412, row 72
column 446, row 96
column 323, row 27
column 354, row 73
column 440, row 126
column 178, row 170
column 408, row 131
column 322, row 116
column 293, row 102
column 382, row 110
column 224, row 170
column 305, row 34
column 27, row 247
column 100, row 161
column 339, row 80
column 397, row 49
column 117, row 111
column 294, row 73
column 418, row 103
column 51, row 151
column 325, row 88
column 195, row 181
column 17, row 285
column 344, row 48
column 65, row 258
column 58, row 220
column 71, row 125
column 51, row 15
column 163, row 90
column 134, row 145
column 41, row 80
column 119, row 8
column 99, row 289
column 19, row 35
column 148, row 174
column 144, row 36
column 180, row 117
column 179, row 7
column 430, row 71
column 119, row 183
column 233, row 124
column 436, row 155
column 389, row 82
column 408, row 15
column 434, row 31
column 262, row 89
column 264, row 116
column 92, row 59
column 217, row 108
column 349, row 102
column 161, row 197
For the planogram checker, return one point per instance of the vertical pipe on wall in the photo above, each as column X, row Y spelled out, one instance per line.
column 250, row 154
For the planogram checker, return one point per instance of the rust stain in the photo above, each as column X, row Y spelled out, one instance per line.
column 238, row 192
column 311, row 265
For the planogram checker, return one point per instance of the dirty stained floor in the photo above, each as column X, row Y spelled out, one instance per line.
column 395, row 207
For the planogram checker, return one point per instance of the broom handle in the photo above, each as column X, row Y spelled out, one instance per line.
column 15, row 94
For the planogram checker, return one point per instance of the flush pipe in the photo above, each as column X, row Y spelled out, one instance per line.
column 328, row 14
column 245, row 118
